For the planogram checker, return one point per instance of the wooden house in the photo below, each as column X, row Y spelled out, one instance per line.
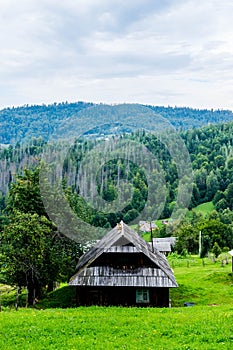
column 164, row 245
column 122, row 269
column 145, row 226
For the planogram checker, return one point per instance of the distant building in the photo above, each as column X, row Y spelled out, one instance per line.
column 164, row 245
column 121, row 269
column 145, row 226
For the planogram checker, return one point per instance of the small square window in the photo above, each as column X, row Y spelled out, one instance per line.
column 142, row 296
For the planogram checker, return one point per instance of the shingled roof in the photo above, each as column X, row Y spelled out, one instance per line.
column 164, row 244
column 123, row 239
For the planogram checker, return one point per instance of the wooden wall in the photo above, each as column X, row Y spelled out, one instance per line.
column 125, row 296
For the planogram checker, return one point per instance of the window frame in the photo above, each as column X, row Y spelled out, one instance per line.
column 142, row 296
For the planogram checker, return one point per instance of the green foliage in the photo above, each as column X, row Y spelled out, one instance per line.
column 187, row 238
column 107, row 180
column 211, row 155
column 63, row 297
column 218, row 232
column 216, row 249
column 33, row 253
column 204, row 208
column 23, row 251
column 214, row 227
column 209, row 149
column 206, row 246
column 22, row 123
column 24, row 194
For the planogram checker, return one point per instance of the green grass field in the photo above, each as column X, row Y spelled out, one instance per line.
column 204, row 208
column 207, row 325
column 202, row 281
column 118, row 328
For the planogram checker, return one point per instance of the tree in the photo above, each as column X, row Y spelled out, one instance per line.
column 218, row 232
column 24, row 194
column 229, row 195
column 130, row 215
column 187, row 238
column 219, row 161
column 216, row 250
column 226, row 216
column 35, row 254
column 24, row 248
column 212, row 186
column 221, row 205
column 206, row 245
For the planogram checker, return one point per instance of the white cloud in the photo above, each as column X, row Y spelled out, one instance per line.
column 160, row 52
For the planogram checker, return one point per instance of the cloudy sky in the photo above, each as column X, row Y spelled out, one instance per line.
column 160, row 52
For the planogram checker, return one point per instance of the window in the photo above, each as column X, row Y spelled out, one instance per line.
column 142, row 296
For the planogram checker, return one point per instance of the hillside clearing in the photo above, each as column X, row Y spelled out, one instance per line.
column 204, row 208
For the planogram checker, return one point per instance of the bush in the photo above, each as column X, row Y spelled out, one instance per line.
column 216, row 250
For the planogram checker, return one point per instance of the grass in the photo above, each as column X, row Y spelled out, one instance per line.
column 61, row 298
column 202, row 281
column 118, row 328
column 206, row 326
column 204, row 208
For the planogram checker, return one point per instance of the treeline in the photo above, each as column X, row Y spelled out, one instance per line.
column 183, row 118
column 20, row 124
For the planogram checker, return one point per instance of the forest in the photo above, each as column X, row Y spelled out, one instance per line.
column 35, row 252
column 210, row 149
column 20, row 124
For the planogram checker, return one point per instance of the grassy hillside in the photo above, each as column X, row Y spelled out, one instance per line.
column 202, row 281
column 204, row 208
column 206, row 326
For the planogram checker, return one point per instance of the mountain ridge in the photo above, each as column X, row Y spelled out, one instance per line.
column 20, row 124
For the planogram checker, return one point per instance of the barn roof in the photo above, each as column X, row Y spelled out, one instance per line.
column 118, row 240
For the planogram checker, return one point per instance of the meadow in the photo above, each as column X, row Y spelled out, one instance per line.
column 206, row 325
column 118, row 328
column 204, row 208
column 204, row 282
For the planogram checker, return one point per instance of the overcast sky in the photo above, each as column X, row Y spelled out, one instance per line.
column 159, row 52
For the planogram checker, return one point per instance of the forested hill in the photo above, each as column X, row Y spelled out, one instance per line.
column 210, row 149
column 188, row 118
column 20, row 124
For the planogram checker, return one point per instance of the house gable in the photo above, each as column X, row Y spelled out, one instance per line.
column 97, row 266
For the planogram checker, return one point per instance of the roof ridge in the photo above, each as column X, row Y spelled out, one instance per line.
column 140, row 244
